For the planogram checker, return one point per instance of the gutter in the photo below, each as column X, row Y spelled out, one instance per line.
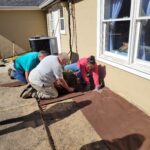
column 46, row 3
column 41, row 6
column 19, row 8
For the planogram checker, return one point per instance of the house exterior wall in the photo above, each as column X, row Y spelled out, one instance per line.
column 132, row 87
column 85, row 29
column 18, row 26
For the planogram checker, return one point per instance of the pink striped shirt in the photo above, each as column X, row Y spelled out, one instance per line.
column 82, row 64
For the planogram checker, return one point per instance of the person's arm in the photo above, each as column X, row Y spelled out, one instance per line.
column 60, row 81
column 31, row 64
column 26, row 75
column 63, row 83
column 84, row 74
column 95, row 75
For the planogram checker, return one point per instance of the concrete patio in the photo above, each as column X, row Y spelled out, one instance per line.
column 103, row 121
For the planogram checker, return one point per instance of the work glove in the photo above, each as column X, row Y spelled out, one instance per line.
column 97, row 89
column 71, row 89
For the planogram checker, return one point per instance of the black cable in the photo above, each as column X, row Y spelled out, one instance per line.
column 69, row 28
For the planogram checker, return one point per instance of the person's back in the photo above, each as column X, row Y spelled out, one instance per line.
column 27, row 61
column 47, row 71
column 83, row 68
column 82, row 61
column 47, row 75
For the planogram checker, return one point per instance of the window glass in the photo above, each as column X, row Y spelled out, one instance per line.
column 117, row 9
column 61, row 13
column 124, row 34
column 144, row 41
column 145, row 8
column 62, row 24
column 117, row 37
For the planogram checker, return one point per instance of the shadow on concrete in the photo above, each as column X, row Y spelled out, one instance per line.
column 129, row 142
column 51, row 115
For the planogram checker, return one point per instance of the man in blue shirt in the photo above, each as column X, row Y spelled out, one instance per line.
column 25, row 63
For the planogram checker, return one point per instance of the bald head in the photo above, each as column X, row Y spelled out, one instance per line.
column 63, row 58
column 43, row 54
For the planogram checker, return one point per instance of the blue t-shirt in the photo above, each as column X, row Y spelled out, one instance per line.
column 27, row 61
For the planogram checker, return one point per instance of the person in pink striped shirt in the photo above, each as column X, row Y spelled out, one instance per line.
column 83, row 68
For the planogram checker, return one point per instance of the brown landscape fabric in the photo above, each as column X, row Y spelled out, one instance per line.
column 12, row 84
column 121, row 125
column 61, row 98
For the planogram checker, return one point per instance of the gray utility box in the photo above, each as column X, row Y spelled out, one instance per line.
column 48, row 44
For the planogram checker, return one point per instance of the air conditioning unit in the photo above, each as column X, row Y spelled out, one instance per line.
column 48, row 44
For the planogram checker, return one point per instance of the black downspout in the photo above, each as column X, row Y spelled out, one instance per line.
column 69, row 27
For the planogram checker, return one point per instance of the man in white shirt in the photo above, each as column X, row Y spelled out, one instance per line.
column 49, row 72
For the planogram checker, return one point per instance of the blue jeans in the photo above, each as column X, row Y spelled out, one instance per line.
column 74, row 68
column 19, row 75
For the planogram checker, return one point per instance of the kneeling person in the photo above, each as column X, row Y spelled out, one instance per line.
column 25, row 63
column 44, row 77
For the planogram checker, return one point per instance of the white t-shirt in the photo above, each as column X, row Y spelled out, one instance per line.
column 46, row 72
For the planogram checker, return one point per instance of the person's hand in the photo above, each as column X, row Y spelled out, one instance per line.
column 75, row 73
column 97, row 89
column 57, row 83
column 70, row 89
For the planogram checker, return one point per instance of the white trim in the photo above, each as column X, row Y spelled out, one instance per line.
column 117, row 19
column 19, row 8
column 116, row 55
column 143, row 18
column 129, row 64
column 132, row 36
column 137, row 28
column 44, row 4
column 98, row 29
column 128, row 68
column 56, row 25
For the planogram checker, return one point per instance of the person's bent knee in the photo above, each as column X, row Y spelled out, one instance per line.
column 55, row 94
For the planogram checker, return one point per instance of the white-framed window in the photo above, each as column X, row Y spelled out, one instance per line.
column 123, row 34
column 62, row 21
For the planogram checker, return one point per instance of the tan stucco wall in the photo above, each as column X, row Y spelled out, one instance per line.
column 85, row 29
column 133, row 88
column 18, row 26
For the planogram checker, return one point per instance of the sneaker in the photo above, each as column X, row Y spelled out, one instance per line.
column 28, row 92
column 34, row 94
column 9, row 71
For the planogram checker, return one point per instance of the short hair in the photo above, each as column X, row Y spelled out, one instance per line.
column 91, row 60
column 43, row 53
column 63, row 56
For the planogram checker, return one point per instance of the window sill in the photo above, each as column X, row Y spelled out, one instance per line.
column 134, row 69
